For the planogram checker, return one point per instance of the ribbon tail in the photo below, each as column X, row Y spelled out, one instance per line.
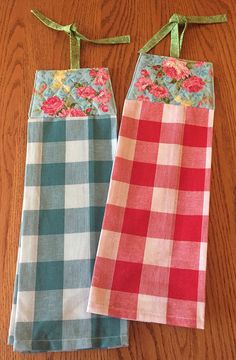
column 213, row 19
column 74, row 51
column 123, row 39
column 163, row 32
column 174, row 43
column 50, row 23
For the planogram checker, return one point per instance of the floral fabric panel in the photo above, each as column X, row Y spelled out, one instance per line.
column 72, row 93
column 173, row 81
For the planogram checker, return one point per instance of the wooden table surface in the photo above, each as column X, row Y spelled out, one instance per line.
column 27, row 45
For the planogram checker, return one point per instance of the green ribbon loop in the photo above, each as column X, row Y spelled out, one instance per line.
column 173, row 27
column 76, row 37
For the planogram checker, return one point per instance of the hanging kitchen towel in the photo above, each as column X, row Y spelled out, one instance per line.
column 151, row 259
column 72, row 136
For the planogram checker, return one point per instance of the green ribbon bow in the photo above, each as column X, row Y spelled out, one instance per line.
column 173, row 27
column 76, row 37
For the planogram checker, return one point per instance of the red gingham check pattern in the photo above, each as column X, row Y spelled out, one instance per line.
column 151, row 259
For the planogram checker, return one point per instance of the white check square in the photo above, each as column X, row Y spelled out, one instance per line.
column 77, row 151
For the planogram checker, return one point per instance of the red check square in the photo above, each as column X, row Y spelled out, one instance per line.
column 195, row 136
column 122, row 170
column 188, row 227
column 152, row 111
column 127, row 276
column 167, row 176
column 172, row 133
column 185, row 255
column 192, row 179
column 183, row 284
column 123, row 304
column 135, row 222
column 146, row 151
column 135, row 198
column 197, row 116
column 143, row 174
column 103, row 273
column 154, row 280
column 175, row 310
column 131, row 248
column 129, row 127
column 161, row 225
column 149, row 131
column 113, row 218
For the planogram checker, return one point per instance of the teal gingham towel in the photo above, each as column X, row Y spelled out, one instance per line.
column 71, row 143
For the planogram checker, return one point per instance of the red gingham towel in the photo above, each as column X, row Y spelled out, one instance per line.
column 151, row 259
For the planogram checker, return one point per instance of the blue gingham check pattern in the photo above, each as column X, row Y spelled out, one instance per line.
column 68, row 166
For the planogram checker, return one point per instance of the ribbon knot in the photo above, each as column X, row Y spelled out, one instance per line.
column 179, row 19
column 173, row 27
column 76, row 37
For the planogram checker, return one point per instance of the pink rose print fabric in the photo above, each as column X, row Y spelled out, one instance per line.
column 70, row 93
column 151, row 260
column 173, row 81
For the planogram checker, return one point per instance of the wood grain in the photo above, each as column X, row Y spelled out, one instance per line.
column 26, row 45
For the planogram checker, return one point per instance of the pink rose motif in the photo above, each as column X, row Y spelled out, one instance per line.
column 86, row 92
column 103, row 96
column 101, row 76
column 52, row 105
column 144, row 72
column 159, row 91
column 76, row 112
column 199, row 63
column 64, row 113
column 143, row 83
column 103, row 107
column 193, row 84
column 93, row 72
column 143, row 98
column 156, row 67
column 175, row 69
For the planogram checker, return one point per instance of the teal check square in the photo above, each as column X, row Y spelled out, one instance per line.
column 53, row 152
column 32, row 175
column 100, row 128
column 99, row 171
column 52, row 197
column 77, row 173
column 46, row 345
column 99, row 150
column 49, row 299
column 77, row 273
column 27, row 279
column 53, row 174
column 51, row 222
column 47, row 330
column 23, row 330
column 76, row 129
column 98, row 194
column 81, row 328
column 30, row 222
column 35, row 132
column 49, row 275
column 50, row 247
column 77, row 220
column 104, row 327
column 96, row 217
column 54, row 130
